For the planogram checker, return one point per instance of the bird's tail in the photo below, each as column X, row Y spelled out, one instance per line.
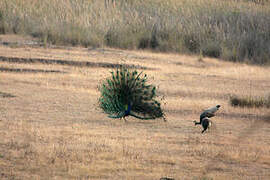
column 212, row 126
column 210, row 123
column 120, row 115
column 142, row 118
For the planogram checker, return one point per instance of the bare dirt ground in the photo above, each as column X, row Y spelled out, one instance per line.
column 51, row 126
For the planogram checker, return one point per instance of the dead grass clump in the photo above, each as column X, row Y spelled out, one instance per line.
column 250, row 101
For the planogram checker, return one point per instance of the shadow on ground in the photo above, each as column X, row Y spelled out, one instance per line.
column 68, row 63
column 6, row 95
column 23, row 70
column 195, row 95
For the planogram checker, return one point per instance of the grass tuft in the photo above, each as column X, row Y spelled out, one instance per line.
column 250, row 101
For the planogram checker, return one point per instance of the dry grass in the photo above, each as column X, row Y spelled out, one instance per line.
column 233, row 30
column 50, row 126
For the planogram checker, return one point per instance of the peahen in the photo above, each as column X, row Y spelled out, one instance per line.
column 126, row 93
column 204, row 117
column 208, row 114
column 206, row 123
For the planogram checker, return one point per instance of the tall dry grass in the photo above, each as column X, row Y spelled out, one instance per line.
column 232, row 30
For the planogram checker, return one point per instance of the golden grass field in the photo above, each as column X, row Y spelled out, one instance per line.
column 51, row 126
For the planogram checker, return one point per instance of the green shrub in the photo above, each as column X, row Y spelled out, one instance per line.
column 144, row 43
column 2, row 27
column 211, row 49
column 192, row 42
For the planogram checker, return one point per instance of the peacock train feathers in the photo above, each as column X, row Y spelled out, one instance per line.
column 126, row 93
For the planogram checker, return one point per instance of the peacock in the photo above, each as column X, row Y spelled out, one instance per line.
column 208, row 113
column 206, row 123
column 204, row 117
column 127, row 93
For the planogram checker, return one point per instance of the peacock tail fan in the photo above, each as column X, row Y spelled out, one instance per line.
column 127, row 92
column 147, row 111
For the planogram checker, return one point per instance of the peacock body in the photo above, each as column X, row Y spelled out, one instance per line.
column 126, row 93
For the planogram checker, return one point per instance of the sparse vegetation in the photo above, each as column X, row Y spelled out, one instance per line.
column 51, row 126
column 232, row 30
column 250, row 101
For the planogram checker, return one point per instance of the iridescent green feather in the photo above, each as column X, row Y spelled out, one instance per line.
column 126, row 93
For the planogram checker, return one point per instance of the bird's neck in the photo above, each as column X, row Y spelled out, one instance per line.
column 128, row 108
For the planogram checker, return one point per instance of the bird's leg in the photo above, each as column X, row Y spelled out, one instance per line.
column 164, row 119
column 203, row 130
column 125, row 119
